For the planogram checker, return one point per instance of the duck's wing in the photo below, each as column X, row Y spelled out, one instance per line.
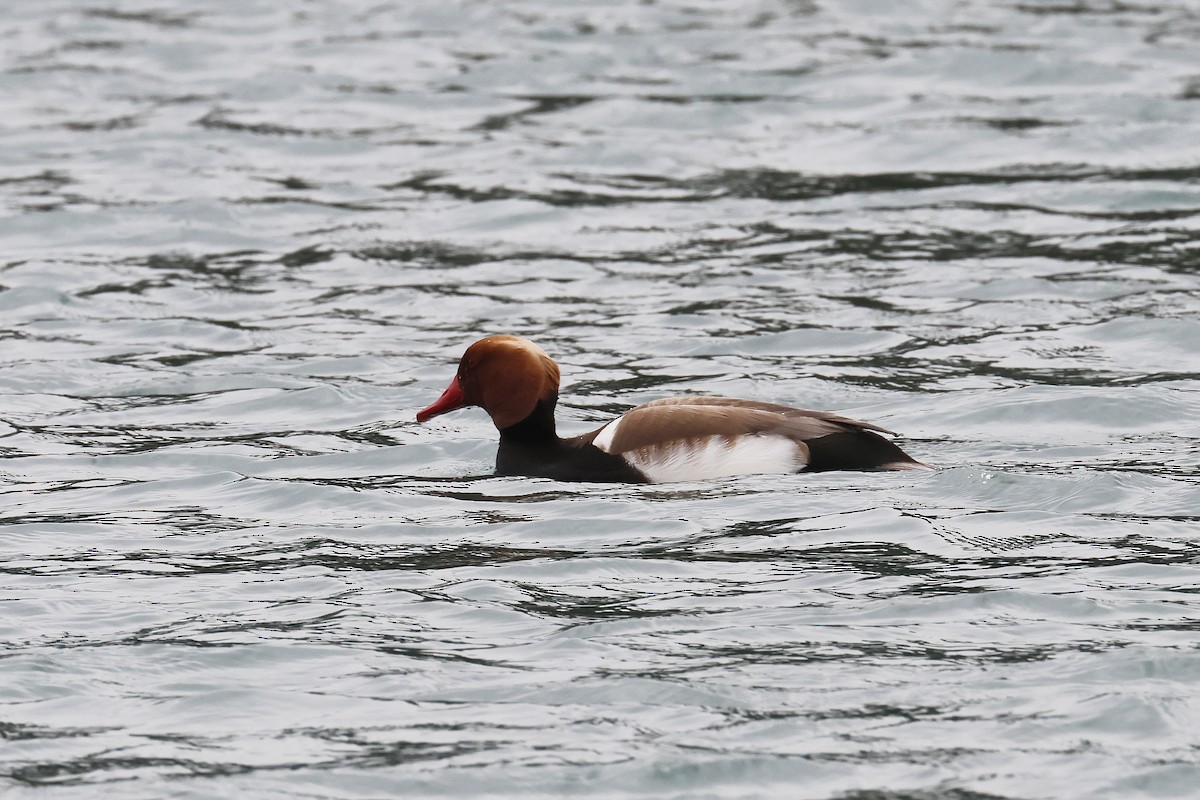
column 660, row 424
column 720, row 436
column 790, row 412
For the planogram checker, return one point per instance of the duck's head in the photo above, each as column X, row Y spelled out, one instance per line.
column 504, row 375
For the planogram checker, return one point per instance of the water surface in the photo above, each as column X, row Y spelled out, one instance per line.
column 241, row 244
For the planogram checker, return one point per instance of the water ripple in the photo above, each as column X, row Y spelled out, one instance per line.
column 242, row 245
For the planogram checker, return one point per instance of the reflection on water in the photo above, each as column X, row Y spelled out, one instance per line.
column 243, row 245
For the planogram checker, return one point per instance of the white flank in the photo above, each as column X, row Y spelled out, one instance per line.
column 715, row 457
column 604, row 438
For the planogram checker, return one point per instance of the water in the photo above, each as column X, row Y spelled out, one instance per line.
column 242, row 243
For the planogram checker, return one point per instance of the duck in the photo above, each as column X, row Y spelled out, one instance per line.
column 686, row 438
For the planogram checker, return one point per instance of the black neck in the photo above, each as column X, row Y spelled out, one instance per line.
column 532, row 447
column 536, row 429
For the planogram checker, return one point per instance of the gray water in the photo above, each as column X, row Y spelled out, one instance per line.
column 242, row 243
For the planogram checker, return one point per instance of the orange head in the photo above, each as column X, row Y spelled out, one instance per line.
column 505, row 375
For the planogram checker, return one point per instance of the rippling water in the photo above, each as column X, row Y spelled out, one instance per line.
column 241, row 243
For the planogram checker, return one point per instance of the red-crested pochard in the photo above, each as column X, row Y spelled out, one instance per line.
column 673, row 439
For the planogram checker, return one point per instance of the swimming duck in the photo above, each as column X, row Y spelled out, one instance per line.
column 689, row 438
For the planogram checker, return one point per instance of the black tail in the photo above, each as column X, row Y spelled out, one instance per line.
column 857, row 450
